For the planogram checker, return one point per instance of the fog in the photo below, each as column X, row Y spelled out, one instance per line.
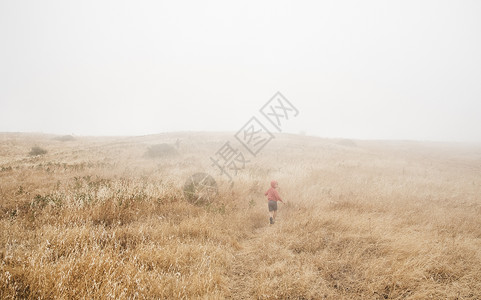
column 353, row 69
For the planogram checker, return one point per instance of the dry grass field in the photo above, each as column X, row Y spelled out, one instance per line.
column 94, row 218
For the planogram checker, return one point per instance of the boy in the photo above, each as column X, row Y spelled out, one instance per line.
column 272, row 198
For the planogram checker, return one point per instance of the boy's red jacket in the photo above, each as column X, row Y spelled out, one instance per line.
column 272, row 193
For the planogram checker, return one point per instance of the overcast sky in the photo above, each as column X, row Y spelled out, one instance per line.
column 353, row 69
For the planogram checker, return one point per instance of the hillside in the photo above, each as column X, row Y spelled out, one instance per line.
column 95, row 217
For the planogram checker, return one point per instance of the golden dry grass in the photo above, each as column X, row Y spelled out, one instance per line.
column 94, row 218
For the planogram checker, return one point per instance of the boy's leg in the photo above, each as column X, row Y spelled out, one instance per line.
column 274, row 214
column 271, row 213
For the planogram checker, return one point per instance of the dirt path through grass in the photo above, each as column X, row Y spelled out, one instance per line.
column 242, row 284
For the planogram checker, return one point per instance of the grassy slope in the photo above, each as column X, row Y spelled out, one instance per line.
column 94, row 218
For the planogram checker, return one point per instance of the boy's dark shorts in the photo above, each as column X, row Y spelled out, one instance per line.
column 272, row 205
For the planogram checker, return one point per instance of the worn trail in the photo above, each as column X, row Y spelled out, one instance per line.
column 242, row 281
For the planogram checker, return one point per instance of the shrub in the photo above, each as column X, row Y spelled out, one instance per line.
column 160, row 150
column 347, row 143
column 37, row 151
column 65, row 138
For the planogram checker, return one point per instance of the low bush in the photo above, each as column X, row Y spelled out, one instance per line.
column 37, row 151
column 161, row 150
column 64, row 138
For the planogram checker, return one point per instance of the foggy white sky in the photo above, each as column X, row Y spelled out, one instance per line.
column 354, row 69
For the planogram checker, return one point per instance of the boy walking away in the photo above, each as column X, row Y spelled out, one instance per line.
column 272, row 198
